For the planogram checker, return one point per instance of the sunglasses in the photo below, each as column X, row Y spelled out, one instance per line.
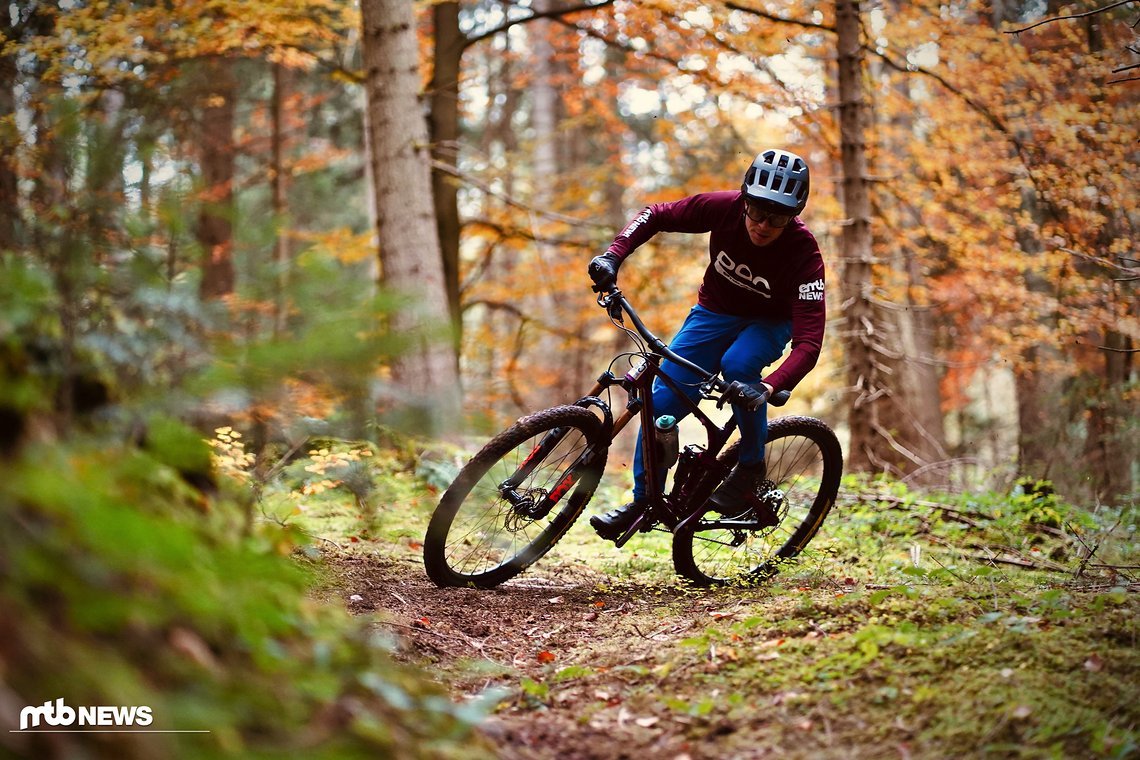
column 773, row 220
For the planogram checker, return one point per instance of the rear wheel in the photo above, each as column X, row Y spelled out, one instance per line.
column 804, row 466
column 515, row 498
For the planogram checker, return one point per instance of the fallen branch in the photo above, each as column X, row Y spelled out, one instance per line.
column 1016, row 562
column 1131, row 587
column 897, row 502
column 478, row 646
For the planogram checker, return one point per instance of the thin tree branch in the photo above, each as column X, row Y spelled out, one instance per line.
column 1093, row 12
column 1132, row 272
column 778, row 19
column 1019, row 147
column 977, row 107
column 519, row 314
column 483, row 186
column 555, row 13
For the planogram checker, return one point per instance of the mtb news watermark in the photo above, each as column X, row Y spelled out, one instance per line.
column 56, row 716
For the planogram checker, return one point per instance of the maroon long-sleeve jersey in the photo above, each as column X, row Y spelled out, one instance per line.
column 782, row 280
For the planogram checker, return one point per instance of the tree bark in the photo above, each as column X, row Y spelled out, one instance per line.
column 444, row 126
column 912, row 412
column 862, row 372
column 214, row 230
column 545, row 116
column 1108, row 438
column 279, row 176
column 9, row 141
column 425, row 374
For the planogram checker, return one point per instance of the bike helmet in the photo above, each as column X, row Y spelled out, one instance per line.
column 778, row 180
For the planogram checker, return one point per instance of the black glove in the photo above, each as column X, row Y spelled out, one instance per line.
column 603, row 271
column 748, row 397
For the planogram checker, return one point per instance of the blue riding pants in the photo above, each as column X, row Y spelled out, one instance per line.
column 738, row 347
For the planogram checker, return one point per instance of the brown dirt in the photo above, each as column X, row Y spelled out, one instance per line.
column 585, row 665
column 522, row 634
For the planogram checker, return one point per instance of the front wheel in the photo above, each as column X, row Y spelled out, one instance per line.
column 804, row 466
column 515, row 498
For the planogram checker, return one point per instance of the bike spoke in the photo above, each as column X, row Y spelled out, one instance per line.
column 488, row 531
column 801, row 470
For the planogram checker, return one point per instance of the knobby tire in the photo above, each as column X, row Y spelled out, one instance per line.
column 476, row 537
column 805, row 463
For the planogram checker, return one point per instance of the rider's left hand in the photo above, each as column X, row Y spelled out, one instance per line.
column 603, row 271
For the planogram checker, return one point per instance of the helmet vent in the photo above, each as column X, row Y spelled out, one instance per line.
column 778, row 179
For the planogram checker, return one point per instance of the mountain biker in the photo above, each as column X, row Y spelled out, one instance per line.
column 764, row 286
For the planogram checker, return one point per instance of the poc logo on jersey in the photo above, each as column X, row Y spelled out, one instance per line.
column 60, row 714
column 741, row 275
column 812, row 291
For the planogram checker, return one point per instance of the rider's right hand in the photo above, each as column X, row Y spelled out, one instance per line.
column 748, row 397
column 603, row 271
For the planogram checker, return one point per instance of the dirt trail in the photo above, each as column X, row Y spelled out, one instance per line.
column 811, row 665
column 543, row 623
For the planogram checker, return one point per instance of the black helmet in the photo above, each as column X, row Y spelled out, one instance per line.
column 779, row 181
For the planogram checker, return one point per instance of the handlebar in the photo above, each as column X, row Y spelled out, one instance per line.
column 615, row 303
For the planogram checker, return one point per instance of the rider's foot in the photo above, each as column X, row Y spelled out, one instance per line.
column 617, row 521
column 738, row 494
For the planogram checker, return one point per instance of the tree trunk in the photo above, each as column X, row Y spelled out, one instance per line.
column 1039, row 380
column 9, row 140
column 279, row 176
column 910, row 415
column 912, row 412
column 860, row 336
column 214, row 230
column 425, row 374
column 545, row 116
column 1108, row 438
column 444, row 125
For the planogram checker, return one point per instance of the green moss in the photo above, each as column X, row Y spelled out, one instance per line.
column 120, row 590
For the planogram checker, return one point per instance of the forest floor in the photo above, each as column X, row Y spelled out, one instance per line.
column 589, row 656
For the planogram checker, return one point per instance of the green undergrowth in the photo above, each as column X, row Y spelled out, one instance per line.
column 946, row 669
column 926, row 670
column 927, row 624
column 917, row 623
column 123, row 585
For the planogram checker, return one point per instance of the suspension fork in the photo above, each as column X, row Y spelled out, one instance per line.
column 524, row 503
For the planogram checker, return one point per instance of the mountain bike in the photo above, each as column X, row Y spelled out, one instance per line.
column 523, row 490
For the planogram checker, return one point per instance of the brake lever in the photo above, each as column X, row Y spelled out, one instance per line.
column 709, row 389
column 610, row 302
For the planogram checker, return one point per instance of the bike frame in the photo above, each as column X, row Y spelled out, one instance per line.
column 638, row 385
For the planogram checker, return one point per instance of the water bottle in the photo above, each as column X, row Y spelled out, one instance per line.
column 668, row 440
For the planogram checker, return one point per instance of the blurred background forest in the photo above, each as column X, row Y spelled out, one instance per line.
column 194, row 186
column 316, row 219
